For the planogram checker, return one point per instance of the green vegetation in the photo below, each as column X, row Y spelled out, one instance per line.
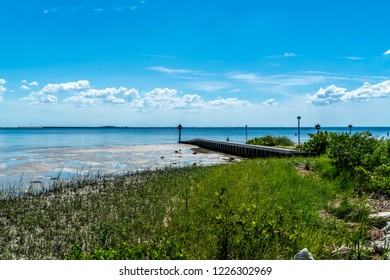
column 272, row 141
column 360, row 159
column 254, row 209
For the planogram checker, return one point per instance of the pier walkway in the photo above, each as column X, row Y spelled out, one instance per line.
column 243, row 150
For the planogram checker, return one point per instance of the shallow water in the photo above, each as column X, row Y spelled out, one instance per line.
column 40, row 166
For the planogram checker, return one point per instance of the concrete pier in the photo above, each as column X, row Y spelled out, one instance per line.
column 243, row 150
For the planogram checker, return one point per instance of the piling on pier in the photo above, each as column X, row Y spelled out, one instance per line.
column 243, row 150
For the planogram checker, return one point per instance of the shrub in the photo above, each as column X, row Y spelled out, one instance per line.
column 349, row 152
column 360, row 157
column 271, row 141
column 317, row 144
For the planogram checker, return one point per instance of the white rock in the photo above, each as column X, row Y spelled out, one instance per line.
column 387, row 228
column 304, row 254
column 380, row 215
column 379, row 247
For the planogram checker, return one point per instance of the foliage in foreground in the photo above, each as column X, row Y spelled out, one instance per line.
column 255, row 209
column 361, row 157
column 271, row 141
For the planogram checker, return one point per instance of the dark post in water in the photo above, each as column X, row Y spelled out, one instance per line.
column 180, row 127
column 299, row 132
column 350, row 129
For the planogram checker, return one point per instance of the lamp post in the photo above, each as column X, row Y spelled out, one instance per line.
column 318, row 127
column 180, row 127
column 246, row 133
column 350, row 129
column 299, row 131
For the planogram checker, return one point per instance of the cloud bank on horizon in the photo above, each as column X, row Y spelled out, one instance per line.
column 81, row 93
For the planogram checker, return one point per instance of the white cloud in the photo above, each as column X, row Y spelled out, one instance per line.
column 327, row 96
column 33, row 98
column 286, row 54
column 353, row 57
column 108, row 95
column 270, row 102
column 161, row 98
column 47, row 11
column 66, row 87
column 225, row 103
column 157, row 99
column 170, row 71
column 81, row 100
column 125, row 8
column 23, row 81
column 34, row 83
column 209, row 86
column 169, row 99
column 279, row 80
column 249, row 77
column 3, row 89
column 48, row 99
column 45, row 95
column 368, row 91
column 39, row 98
column 80, row 93
column 387, row 52
column 24, row 87
column 289, row 54
column 333, row 94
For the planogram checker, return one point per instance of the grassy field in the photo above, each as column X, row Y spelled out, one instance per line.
column 254, row 209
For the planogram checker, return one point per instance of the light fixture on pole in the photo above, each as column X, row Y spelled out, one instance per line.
column 318, row 127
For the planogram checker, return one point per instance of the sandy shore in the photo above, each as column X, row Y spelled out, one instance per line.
column 42, row 165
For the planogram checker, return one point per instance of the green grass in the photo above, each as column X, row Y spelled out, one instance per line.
column 254, row 209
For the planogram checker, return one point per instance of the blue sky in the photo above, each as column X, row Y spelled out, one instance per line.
column 195, row 62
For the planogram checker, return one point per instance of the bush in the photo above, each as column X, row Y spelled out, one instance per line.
column 271, row 141
column 317, row 144
column 349, row 152
column 360, row 157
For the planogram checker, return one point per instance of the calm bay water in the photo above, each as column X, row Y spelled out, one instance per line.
column 17, row 139
column 42, row 153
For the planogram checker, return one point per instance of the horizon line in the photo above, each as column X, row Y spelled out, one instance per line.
column 110, row 126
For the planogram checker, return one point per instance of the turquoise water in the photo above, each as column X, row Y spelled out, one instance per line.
column 19, row 139
column 40, row 154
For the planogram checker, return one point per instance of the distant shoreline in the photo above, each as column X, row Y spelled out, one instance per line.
column 172, row 127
